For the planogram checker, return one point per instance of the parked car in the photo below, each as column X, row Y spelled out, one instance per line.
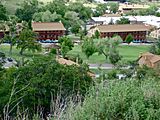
column 10, row 59
column 147, row 41
column 48, row 41
column 137, row 41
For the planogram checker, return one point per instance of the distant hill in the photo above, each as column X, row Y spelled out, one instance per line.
column 12, row 5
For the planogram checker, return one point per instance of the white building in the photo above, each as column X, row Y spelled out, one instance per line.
column 151, row 20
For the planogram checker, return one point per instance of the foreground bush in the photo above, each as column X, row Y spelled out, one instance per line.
column 32, row 88
column 119, row 100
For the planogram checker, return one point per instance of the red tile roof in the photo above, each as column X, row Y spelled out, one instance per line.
column 123, row 28
column 45, row 26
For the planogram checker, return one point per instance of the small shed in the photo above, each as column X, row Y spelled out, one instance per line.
column 149, row 59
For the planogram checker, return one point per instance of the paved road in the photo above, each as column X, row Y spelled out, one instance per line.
column 102, row 66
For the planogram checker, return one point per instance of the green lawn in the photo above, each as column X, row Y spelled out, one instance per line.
column 15, row 53
column 128, row 53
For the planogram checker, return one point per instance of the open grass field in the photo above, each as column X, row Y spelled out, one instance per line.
column 15, row 53
column 127, row 52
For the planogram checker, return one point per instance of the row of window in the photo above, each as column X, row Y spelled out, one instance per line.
column 56, row 31
column 124, row 35
column 48, row 36
column 136, row 32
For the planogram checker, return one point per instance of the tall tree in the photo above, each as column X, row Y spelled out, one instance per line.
column 74, row 21
column 129, row 38
column 2, row 28
column 100, row 9
column 88, row 47
column 114, row 56
column 46, row 16
column 66, row 45
column 84, row 12
column 58, row 6
column 28, row 40
column 108, row 48
column 11, row 38
column 27, row 9
column 75, row 28
column 96, row 35
column 113, row 7
column 123, row 20
column 3, row 13
column 39, row 83
column 155, row 48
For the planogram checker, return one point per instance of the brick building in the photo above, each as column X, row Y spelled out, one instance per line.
column 139, row 31
column 149, row 59
column 48, row 31
column 4, row 31
column 125, row 8
column 1, row 34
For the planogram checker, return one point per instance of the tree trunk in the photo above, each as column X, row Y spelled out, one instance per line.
column 21, row 51
column 10, row 49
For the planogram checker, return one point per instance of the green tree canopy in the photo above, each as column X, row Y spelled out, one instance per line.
column 3, row 13
column 96, row 35
column 155, row 48
column 88, row 47
column 113, row 7
column 100, row 9
column 46, row 16
column 123, row 20
column 39, row 83
column 11, row 38
column 27, row 9
column 129, row 38
column 28, row 40
column 127, row 99
column 108, row 48
column 66, row 45
column 84, row 12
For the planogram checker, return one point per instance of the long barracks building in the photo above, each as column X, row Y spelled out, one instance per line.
column 138, row 31
column 48, row 31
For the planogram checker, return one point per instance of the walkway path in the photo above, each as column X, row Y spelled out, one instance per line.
column 102, row 66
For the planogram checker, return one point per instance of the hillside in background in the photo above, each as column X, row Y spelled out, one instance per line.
column 12, row 5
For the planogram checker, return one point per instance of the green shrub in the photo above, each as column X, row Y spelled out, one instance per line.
column 53, row 51
column 112, row 74
column 2, row 55
column 39, row 82
column 120, row 100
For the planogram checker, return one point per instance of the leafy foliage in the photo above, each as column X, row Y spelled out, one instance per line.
column 88, row 47
column 113, row 7
column 11, row 38
column 3, row 13
column 38, row 83
column 46, row 16
column 28, row 40
column 123, row 20
column 100, row 9
column 107, row 45
column 84, row 12
column 155, row 48
column 66, row 45
column 96, row 35
column 27, row 9
column 125, row 100
column 129, row 38
column 75, row 28
column 114, row 56
column 152, row 10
